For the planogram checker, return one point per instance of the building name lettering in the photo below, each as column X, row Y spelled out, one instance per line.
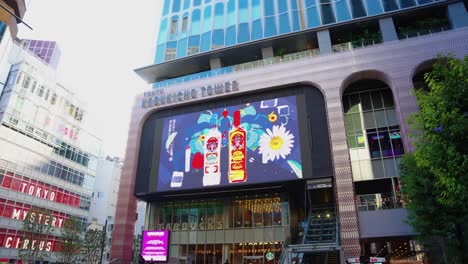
column 20, row 214
column 191, row 226
column 38, row 191
column 157, row 97
column 18, row 243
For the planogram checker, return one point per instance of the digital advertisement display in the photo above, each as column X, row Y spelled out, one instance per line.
column 155, row 245
column 256, row 142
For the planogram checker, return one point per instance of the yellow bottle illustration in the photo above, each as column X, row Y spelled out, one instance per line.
column 237, row 151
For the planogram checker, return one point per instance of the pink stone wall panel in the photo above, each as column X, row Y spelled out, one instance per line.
column 394, row 63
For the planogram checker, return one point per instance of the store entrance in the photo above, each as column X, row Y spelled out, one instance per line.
column 252, row 260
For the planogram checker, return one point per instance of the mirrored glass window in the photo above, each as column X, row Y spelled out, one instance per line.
column 159, row 57
column 313, row 17
column 257, row 30
column 193, row 45
column 170, row 50
column 162, row 31
column 231, row 36
column 195, row 25
column 374, row 7
column 218, row 39
column 167, row 5
column 182, row 48
column 206, row 19
column 196, row 2
column 342, row 11
column 389, row 5
column 294, row 15
column 205, row 43
column 284, row 24
column 219, row 16
column 406, row 3
column 327, row 12
column 357, row 8
column 270, row 19
column 175, row 6
column 186, row 4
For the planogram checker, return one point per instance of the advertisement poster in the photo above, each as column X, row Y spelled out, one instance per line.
column 252, row 143
column 155, row 245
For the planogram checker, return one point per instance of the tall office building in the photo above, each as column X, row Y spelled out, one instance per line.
column 274, row 128
column 47, row 158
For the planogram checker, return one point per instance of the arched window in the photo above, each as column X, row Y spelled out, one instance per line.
column 375, row 143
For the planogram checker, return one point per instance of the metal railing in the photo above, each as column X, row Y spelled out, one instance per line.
column 378, row 201
column 347, row 46
column 278, row 59
column 423, row 32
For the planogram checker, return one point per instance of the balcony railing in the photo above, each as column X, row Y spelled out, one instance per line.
column 422, row 32
column 354, row 45
column 378, row 201
column 279, row 59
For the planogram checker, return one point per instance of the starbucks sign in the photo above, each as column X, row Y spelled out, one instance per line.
column 269, row 256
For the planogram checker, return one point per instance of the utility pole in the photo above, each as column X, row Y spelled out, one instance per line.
column 103, row 242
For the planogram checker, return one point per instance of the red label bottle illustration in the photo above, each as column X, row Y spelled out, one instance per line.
column 237, row 151
column 212, row 152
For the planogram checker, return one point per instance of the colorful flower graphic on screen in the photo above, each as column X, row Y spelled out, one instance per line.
column 276, row 143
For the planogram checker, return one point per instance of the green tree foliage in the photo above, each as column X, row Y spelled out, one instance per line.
column 93, row 241
column 36, row 229
column 71, row 240
column 434, row 176
column 136, row 250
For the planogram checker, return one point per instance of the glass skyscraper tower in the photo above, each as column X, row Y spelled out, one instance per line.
column 311, row 100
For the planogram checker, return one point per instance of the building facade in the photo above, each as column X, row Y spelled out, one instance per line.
column 274, row 129
column 104, row 201
column 47, row 158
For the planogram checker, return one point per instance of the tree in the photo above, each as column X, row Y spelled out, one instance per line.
column 93, row 240
column 434, row 176
column 71, row 240
column 36, row 229
column 136, row 249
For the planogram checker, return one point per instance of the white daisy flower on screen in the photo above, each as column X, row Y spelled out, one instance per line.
column 276, row 143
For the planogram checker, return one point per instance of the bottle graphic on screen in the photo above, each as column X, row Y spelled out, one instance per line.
column 212, row 152
column 237, row 151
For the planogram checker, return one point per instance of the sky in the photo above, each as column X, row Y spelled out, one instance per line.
column 102, row 42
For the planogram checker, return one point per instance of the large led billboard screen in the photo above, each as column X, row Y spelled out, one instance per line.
column 155, row 245
column 252, row 143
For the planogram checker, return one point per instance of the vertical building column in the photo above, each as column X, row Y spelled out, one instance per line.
column 122, row 236
column 216, row 63
column 267, row 52
column 344, row 187
column 324, row 41
column 457, row 15
column 387, row 29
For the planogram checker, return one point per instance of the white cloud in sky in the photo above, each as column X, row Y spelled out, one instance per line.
column 102, row 42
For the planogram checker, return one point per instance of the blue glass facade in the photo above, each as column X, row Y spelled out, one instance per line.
column 193, row 26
